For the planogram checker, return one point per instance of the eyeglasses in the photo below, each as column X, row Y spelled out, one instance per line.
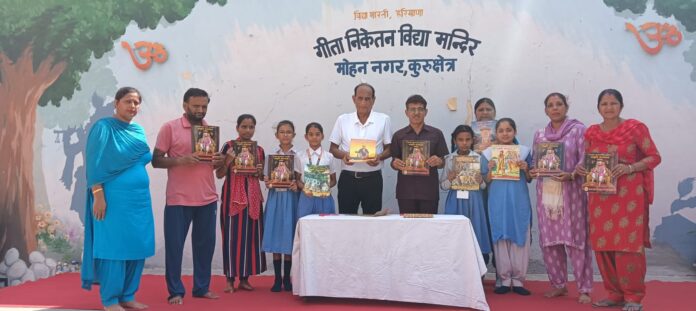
column 416, row 110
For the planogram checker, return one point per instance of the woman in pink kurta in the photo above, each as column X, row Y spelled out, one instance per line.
column 619, row 229
column 562, row 206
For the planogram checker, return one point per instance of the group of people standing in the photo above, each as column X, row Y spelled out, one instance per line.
column 571, row 222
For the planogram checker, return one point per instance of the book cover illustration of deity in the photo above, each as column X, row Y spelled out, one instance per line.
column 484, row 133
column 466, row 168
column 362, row 150
column 245, row 160
column 599, row 179
column 205, row 140
column 316, row 180
column 414, row 154
column 280, row 170
column 548, row 158
column 505, row 157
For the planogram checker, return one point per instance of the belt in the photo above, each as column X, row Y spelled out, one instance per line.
column 359, row 175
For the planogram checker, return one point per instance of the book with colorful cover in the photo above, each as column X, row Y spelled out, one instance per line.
column 245, row 157
column 280, row 170
column 466, row 168
column 484, row 133
column 414, row 154
column 549, row 158
column 205, row 140
column 505, row 157
column 599, row 178
column 317, row 179
column 362, row 150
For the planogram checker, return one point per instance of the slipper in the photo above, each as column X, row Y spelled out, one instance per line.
column 633, row 306
column 606, row 303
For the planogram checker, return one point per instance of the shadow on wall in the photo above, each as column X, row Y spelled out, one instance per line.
column 72, row 150
column 676, row 230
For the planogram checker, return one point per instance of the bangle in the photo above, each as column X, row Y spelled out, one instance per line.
column 630, row 168
column 97, row 190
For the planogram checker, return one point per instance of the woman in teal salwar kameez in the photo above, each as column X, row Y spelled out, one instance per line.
column 119, row 226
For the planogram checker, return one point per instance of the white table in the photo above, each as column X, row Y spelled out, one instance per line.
column 426, row 260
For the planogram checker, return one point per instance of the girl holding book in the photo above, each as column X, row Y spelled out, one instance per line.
column 483, row 110
column 316, row 197
column 471, row 204
column 280, row 215
column 510, row 211
column 241, row 212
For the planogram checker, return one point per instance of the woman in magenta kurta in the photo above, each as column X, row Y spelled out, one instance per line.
column 619, row 229
column 562, row 205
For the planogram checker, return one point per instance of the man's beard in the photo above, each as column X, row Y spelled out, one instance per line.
column 194, row 117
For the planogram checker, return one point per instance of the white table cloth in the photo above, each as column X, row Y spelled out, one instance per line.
column 425, row 260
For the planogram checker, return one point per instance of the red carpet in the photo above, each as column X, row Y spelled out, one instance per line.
column 64, row 292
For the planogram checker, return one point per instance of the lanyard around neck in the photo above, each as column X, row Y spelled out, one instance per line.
column 309, row 156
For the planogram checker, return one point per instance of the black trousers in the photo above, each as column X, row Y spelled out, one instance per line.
column 417, row 206
column 360, row 189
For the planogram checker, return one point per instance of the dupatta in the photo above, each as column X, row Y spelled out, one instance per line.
column 113, row 146
column 552, row 190
column 239, row 197
column 625, row 133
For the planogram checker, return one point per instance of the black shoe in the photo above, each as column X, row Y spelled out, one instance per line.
column 287, row 285
column 502, row 290
column 521, row 290
column 276, row 285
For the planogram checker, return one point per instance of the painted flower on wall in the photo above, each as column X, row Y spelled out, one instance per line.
column 56, row 238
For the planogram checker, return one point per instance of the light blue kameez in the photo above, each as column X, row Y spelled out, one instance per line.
column 509, row 209
column 115, row 248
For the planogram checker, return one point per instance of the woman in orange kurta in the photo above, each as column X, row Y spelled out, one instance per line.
column 619, row 230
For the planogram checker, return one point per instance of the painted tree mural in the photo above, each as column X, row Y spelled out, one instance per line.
column 45, row 45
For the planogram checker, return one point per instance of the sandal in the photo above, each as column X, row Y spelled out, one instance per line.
column 606, row 303
column 633, row 306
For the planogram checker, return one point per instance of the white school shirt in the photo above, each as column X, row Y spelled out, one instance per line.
column 302, row 159
column 348, row 126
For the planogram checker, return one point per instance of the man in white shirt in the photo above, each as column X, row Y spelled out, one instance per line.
column 360, row 184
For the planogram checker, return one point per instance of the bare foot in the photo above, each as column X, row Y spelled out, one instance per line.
column 176, row 300
column 229, row 288
column 209, row 295
column 584, row 298
column 245, row 285
column 133, row 305
column 115, row 307
column 556, row 292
